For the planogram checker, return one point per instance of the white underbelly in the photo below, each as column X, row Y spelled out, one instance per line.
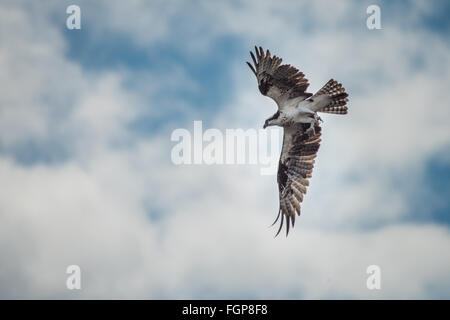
column 299, row 114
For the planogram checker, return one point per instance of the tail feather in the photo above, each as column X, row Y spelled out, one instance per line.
column 336, row 92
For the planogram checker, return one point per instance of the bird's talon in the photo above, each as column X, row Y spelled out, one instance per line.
column 317, row 118
column 310, row 131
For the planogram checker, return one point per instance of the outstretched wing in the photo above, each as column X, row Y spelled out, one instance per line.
column 282, row 83
column 294, row 170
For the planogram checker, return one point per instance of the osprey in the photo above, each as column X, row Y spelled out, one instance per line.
column 297, row 114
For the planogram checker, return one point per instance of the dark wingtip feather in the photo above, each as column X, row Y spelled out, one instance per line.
column 251, row 67
column 254, row 59
column 281, row 225
column 257, row 52
column 278, row 216
column 287, row 225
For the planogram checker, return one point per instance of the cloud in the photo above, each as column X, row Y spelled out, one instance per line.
column 141, row 227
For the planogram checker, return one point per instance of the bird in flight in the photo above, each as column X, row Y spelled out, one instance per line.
column 297, row 114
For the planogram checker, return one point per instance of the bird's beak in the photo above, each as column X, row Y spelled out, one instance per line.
column 265, row 125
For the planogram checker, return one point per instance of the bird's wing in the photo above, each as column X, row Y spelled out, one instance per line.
column 283, row 83
column 294, row 170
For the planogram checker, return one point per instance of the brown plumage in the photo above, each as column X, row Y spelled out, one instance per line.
column 294, row 170
column 279, row 82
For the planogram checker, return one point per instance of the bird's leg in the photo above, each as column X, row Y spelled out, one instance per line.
column 313, row 121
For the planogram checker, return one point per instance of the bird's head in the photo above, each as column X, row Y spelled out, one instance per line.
column 272, row 121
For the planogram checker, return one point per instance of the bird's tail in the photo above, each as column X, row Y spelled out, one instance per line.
column 336, row 92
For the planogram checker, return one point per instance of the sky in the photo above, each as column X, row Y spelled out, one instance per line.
column 86, row 176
